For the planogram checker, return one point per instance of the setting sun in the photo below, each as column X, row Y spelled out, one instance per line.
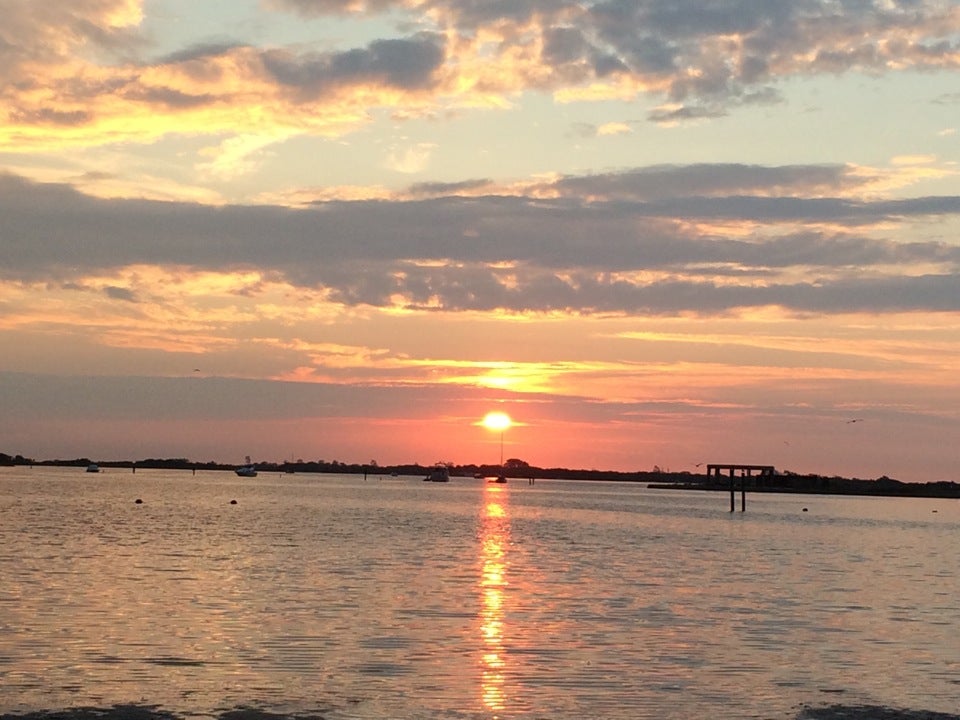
column 498, row 421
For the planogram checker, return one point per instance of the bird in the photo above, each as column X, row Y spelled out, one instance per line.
column 854, row 420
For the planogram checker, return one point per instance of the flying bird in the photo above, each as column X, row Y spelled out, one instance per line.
column 854, row 420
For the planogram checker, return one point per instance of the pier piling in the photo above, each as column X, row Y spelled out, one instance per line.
column 743, row 472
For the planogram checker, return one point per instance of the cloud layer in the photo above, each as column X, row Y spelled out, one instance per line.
column 665, row 240
column 70, row 73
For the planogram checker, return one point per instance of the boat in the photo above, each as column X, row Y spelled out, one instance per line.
column 247, row 470
column 501, row 478
column 440, row 473
column 93, row 467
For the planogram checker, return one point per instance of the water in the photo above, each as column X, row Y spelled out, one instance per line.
column 340, row 598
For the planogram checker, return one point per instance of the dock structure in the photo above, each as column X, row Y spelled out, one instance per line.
column 744, row 473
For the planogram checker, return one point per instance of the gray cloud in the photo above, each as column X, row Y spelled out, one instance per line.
column 564, row 45
column 686, row 42
column 200, row 51
column 706, row 58
column 702, row 179
column 439, row 188
column 169, row 97
column 120, row 293
column 522, row 253
column 779, row 38
column 589, row 293
column 50, row 116
column 408, row 64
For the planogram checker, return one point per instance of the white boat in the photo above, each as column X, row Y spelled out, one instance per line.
column 249, row 469
column 93, row 467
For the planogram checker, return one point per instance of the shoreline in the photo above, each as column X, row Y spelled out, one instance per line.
column 783, row 482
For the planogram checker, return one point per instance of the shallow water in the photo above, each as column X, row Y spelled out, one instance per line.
column 394, row 598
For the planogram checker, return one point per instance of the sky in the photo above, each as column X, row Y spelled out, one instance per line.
column 656, row 233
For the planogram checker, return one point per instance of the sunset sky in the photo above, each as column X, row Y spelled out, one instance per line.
column 653, row 232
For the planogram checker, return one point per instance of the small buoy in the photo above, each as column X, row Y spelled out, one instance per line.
column 233, row 502
column 138, row 501
column 804, row 509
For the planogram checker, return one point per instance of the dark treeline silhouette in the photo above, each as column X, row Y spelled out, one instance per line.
column 657, row 478
column 816, row 484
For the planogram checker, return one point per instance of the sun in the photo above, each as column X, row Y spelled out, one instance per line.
column 498, row 421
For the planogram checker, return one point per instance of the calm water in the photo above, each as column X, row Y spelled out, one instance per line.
column 395, row 598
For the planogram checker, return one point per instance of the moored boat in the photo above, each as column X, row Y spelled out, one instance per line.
column 441, row 473
column 249, row 469
column 93, row 467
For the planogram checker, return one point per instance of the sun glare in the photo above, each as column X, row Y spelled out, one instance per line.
column 498, row 421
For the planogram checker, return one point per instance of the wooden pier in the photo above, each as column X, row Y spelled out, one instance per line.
column 744, row 473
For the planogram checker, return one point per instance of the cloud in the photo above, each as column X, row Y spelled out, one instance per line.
column 197, row 52
column 120, row 293
column 408, row 64
column 236, row 155
column 410, row 160
column 433, row 189
column 76, row 65
column 704, row 239
column 706, row 180
column 129, row 398
column 614, row 128
column 53, row 84
column 37, row 35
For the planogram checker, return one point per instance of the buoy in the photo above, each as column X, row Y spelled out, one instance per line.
column 138, row 501
column 804, row 509
column 233, row 502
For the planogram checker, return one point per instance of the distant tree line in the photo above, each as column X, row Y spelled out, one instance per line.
column 11, row 460
column 787, row 482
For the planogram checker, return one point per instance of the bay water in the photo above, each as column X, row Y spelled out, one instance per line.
column 344, row 597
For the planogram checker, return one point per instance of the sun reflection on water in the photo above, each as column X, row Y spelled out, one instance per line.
column 494, row 535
